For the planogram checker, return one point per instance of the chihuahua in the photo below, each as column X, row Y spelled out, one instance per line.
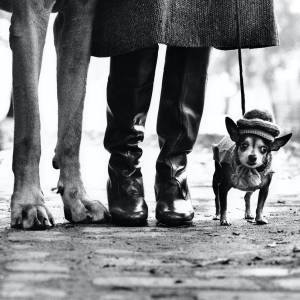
column 243, row 161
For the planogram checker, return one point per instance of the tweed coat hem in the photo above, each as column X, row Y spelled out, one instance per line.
column 127, row 25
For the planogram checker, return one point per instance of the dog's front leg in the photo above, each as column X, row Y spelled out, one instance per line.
column 223, row 191
column 27, row 38
column 73, row 30
column 262, row 196
column 248, row 215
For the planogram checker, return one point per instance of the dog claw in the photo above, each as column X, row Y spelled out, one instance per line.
column 31, row 217
column 87, row 212
column 78, row 208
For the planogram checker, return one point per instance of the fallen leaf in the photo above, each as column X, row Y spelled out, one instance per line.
column 296, row 249
column 281, row 201
column 257, row 258
column 219, row 261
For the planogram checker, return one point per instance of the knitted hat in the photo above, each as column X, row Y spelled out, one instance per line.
column 259, row 123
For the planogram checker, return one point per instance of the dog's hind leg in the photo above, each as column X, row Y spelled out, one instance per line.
column 73, row 31
column 27, row 38
column 216, row 184
column 248, row 215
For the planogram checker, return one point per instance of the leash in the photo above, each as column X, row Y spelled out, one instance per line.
column 240, row 56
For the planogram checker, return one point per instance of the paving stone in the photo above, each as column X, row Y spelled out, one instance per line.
column 249, row 272
column 112, row 251
column 12, row 290
column 8, row 288
column 174, row 283
column 295, row 271
column 35, row 277
column 248, row 295
column 125, row 296
column 20, row 246
column 46, row 267
column 141, row 261
column 27, row 255
column 123, row 252
column 37, row 236
column 288, row 283
column 265, row 272
column 127, row 233
column 114, row 230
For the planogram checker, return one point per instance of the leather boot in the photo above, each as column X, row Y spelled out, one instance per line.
column 129, row 94
column 179, row 117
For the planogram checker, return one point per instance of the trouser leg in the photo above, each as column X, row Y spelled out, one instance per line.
column 129, row 94
column 179, row 116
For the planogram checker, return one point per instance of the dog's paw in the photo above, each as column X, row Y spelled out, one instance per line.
column 79, row 209
column 261, row 221
column 86, row 212
column 224, row 223
column 216, row 217
column 249, row 216
column 27, row 215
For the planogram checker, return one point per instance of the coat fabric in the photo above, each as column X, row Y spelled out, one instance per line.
column 125, row 25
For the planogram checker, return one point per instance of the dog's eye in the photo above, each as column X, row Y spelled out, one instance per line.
column 244, row 146
column 263, row 149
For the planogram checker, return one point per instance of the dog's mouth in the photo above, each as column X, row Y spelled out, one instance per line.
column 250, row 165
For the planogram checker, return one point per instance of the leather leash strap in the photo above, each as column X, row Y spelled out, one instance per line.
column 239, row 40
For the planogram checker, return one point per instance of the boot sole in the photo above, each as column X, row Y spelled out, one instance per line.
column 174, row 223
column 129, row 222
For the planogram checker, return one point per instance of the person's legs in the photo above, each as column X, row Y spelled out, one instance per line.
column 27, row 37
column 73, row 32
column 179, row 116
column 129, row 94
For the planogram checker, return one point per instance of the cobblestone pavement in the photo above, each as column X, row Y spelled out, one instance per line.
column 204, row 261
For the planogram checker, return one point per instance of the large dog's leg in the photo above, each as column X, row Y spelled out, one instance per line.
column 73, row 29
column 27, row 38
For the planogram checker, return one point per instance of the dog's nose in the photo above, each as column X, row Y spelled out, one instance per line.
column 252, row 158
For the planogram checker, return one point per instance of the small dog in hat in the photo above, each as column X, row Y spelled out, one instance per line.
column 243, row 161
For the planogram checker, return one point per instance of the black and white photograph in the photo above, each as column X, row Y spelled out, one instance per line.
column 150, row 149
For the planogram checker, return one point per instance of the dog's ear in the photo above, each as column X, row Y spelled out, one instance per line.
column 232, row 129
column 280, row 142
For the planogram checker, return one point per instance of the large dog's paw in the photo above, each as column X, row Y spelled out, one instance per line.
column 79, row 209
column 261, row 221
column 28, row 211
